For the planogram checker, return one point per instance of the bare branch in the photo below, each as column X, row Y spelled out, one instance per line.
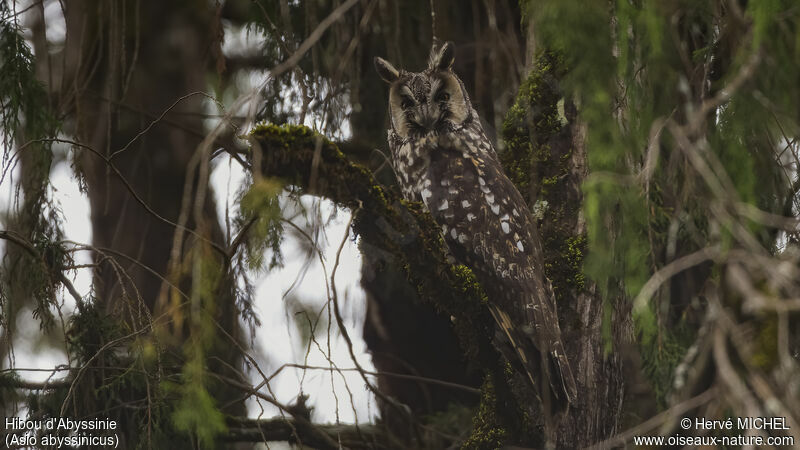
column 745, row 73
column 669, row 271
column 131, row 190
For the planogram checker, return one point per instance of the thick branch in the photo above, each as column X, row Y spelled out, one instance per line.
column 399, row 229
column 279, row 429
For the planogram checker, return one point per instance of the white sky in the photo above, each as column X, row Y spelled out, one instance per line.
column 276, row 341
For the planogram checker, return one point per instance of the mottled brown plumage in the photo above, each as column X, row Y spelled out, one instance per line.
column 442, row 158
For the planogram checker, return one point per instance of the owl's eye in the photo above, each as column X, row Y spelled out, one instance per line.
column 406, row 103
column 442, row 97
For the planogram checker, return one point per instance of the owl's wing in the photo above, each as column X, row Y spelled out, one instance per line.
column 488, row 227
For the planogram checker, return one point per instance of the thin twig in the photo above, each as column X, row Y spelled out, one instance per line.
column 157, row 120
column 131, row 190
column 312, row 39
column 12, row 237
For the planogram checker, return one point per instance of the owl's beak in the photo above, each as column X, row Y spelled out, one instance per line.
column 428, row 115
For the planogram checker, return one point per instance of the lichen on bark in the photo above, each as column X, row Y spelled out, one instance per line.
column 537, row 133
column 545, row 156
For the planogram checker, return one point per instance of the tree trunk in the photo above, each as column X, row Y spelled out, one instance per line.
column 595, row 355
column 546, row 157
column 127, row 64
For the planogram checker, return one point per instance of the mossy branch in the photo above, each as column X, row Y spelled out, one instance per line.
column 399, row 229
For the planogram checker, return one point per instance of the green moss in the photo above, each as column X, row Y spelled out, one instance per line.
column 500, row 419
column 469, row 283
column 574, row 250
column 284, row 136
column 487, row 432
column 538, row 159
column 550, row 181
column 384, row 220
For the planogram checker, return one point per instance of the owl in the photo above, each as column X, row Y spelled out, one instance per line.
column 442, row 158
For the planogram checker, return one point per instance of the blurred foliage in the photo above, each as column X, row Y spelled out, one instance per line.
column 260, row 210
column 25, row 108
column 196, row 411
column 668, row 165
column 27, row 278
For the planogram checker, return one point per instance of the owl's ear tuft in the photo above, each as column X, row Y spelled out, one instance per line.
column 386, row 70
column 444, row 58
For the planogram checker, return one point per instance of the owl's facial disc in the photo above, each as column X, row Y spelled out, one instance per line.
column 426, row 115
column 421, row 112
column 426, row 102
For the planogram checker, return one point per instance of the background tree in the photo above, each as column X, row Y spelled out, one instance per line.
column 655, row 142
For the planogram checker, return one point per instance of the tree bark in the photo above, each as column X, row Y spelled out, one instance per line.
column 134, row 75
column 546, row 157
